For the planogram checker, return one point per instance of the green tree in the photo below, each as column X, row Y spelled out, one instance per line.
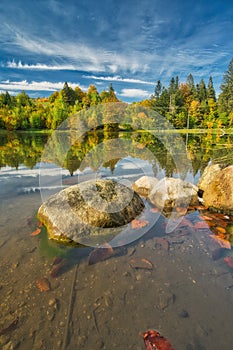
column 158, row 89
column 226, row 96
column 210, row 89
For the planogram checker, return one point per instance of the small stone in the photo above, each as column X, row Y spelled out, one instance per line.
column 184, row 314
column 52, row 302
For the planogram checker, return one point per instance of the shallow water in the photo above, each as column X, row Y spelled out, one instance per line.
column 182, row 289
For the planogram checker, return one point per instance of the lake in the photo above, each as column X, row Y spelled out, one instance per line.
column 175, row 281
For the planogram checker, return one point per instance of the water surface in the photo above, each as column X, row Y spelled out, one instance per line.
column 187, row 295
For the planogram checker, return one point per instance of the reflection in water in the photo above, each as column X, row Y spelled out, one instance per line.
column 178, row 283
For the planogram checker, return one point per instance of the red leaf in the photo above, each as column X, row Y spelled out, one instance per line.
column 36, row 232
column 229, row 261
column 222, row 242
column 137, row 224
column 162, row 242
column 43, row 284
column 143, row 264
column 100, row 254
column 154, row 210
column 200, row 225
column 154, row 341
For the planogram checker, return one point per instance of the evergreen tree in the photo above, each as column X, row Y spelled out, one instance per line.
column 190, row 83
column 158, row 89
column 226, row 96
column 68, row 94
column 210, row 89
column 202, row 92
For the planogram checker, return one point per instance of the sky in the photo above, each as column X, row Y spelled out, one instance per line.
column 129, row 43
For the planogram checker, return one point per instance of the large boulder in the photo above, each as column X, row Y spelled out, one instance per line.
column 171, row 192
column 208, row 176
column 218, row 194
column 144, row 185
column 91, row 208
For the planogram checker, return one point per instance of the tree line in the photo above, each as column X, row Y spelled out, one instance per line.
column 195, row 105
column 182, row 104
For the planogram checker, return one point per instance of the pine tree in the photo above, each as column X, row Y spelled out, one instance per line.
column 226, row 96
column 158, row 89
column 210, row 89
column 202, row 93
column 191, row 84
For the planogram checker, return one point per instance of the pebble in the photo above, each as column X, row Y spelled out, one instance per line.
column 184, row 314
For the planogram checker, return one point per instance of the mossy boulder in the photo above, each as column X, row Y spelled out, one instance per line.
column 89, row 209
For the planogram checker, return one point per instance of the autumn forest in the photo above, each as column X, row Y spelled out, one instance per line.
column 183, row 104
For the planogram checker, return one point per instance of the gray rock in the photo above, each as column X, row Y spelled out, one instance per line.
column 218, row 194
column 171, row 192
column 92, row 208
column 145, row 185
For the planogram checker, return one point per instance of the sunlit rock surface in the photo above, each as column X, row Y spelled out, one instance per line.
column 91, row 208
column 218, row 190
column 171, row 192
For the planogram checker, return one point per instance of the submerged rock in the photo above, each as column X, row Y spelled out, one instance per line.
column 170, row 192
column 91, row 208
column 218, row 190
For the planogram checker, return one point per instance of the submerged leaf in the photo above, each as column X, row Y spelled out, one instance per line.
column 154, row 341
column 142, row 264
column 229, row 261
column 222, row 242
column 43, row 284
column 100, row 254
column 36, row 232
column 137, row 224
column 10, row 328
column 162, row 242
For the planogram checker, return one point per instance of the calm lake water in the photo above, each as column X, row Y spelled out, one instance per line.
column 175, row 282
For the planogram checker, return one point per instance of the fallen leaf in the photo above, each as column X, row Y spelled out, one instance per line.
column 154, row 210
column 221, row 229
column 201, row 225
column 142, row 264
column 10, row 328
column 200, row 207
column 137, row 224
column 181, row 210
column 222, row 242
column 229, row 261
column 185, row 222
column 162, row 242
column 154, row 341
column 40, row 224
column 54, row 272
column 36, row 232
column 43, row 284
column 100, row 254
column 207, row 218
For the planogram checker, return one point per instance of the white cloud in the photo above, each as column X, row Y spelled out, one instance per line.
column 34, row 86
column 87, row 58
column 134, row 93
column 120, row 79
column 38, row 66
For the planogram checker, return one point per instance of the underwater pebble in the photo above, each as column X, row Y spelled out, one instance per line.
column 184, row 314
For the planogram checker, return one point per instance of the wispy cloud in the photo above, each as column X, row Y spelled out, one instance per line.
column 134, row 93
column 119, row 78
column 88, row 58
column 34, row 85
column 38, row 66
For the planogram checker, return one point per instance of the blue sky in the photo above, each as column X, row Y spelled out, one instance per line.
column 129, row 43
